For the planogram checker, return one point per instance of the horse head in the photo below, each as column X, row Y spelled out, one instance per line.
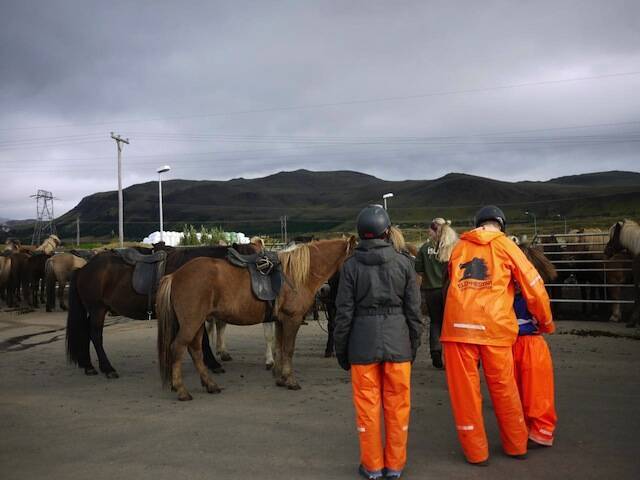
column 613, row 245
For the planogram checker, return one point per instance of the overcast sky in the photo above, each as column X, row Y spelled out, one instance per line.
column 503, row 89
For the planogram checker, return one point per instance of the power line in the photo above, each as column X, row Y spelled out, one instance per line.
column 346, row 102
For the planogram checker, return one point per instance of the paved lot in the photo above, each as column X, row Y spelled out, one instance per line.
column 56, row 423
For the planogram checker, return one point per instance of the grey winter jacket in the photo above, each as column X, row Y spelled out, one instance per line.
column 378, row 307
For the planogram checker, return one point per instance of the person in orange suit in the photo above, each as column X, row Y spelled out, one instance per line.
column 480, row 326
column 532, row 363
column 377, row 334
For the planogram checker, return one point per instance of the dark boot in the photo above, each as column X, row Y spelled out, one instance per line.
column 436, row 360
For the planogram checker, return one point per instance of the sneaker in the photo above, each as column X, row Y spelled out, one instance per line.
column 392, row 474
column 370, row 475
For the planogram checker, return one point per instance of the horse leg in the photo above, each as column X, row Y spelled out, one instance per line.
column 221, row 346
column 616, row 311
column 289, row 333
column 331, row 317
column 178, row 347
column 195, row 350
column 61, row 286
column 208, row 356
column 277, row 364
column 96, row 326
column 268, row 339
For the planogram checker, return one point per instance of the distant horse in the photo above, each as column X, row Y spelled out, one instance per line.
column 49, row 245
column 208, row 287
column 5, row 272
column 104, row 285
column 625, row 235
column 34, row 275
column 58, row 269
column 17, row 278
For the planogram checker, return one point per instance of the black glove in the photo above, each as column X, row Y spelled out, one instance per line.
column 344, row 363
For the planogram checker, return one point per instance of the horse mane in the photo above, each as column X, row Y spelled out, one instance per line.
column 541, row 263
column 630, row 236
column 447, row 239
column 296, row 263
column 397, row 239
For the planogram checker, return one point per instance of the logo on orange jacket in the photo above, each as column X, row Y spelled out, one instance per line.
column 475, row 274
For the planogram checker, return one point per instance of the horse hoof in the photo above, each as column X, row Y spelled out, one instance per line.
column 90, row 371
column 328, row 354
column 225, row 357
column 63, row 307
column 268, row 366
column 186, row 397
column 112, row 374
column 294, row 386
column 173, row 389
column 213, row 389
column 281, row 382
column 218, row 370
column 49, row 310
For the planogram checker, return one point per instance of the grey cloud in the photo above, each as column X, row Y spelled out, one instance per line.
column 83, row 63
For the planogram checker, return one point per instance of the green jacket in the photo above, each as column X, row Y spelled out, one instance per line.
column 428, row 265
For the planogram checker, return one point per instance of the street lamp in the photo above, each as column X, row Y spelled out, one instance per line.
column 535, row 222
column 384, row 198
column 565, row 221
column 160, row 171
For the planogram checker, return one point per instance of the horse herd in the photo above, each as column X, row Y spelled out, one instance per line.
column 200, row 287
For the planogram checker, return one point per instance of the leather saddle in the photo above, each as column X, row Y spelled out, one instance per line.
column 84, row 254
column 265, row 271
column 147, row 269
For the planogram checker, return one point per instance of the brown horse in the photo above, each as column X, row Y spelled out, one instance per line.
column 5, row 272
column 58, row 270
column 104, row 285
column 208, row 288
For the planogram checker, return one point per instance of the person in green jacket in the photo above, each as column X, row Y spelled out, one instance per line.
column 431, row 262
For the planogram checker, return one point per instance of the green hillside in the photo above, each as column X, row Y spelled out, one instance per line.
column 325, row 201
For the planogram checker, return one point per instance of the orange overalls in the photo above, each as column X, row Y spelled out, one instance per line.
column 386, row 384
column 480, row 325
column 534, row 377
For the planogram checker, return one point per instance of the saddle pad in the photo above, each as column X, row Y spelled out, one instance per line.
column 147, row 269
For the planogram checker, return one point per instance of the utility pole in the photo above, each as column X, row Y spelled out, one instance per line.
column 119, row 141
column 283, row 229
column 78, row 231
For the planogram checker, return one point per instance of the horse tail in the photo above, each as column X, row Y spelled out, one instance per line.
column 167, row 328
column 77, row 326
column 50, row 282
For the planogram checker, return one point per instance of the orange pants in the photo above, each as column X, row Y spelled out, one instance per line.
column 466, row 399
column 378, row 386
column 534, row 376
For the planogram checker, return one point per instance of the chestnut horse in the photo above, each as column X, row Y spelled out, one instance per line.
column 207, row 288
column 104, row 285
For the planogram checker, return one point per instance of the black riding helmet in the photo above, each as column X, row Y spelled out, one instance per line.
column 372, row 222
column 491, row 212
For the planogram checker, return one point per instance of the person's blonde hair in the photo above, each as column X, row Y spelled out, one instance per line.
column 447, row 239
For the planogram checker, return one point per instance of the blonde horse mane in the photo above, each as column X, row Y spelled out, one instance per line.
column 630, row 236
column 447, row 239
column 296, row 264
column 397, row 239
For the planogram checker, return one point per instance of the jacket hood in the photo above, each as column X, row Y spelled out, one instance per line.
column 481, row 236
column 374, row 252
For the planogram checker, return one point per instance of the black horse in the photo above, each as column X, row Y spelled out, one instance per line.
column 105, row 285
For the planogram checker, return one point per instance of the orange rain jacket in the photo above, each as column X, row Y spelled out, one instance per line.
column 479, row 302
